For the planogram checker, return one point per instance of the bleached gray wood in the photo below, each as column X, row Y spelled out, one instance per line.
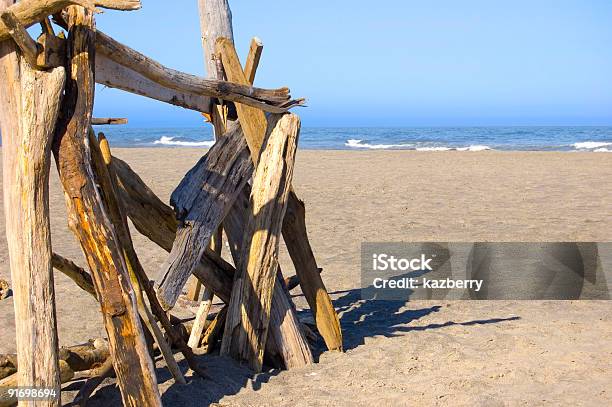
column 114, row 75
column 200, row 202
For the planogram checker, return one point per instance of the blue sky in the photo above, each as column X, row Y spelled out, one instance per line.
column 401, row 63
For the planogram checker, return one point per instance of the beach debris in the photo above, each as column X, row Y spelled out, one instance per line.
column 5, row 289
column 240, row 188
column 96, row 121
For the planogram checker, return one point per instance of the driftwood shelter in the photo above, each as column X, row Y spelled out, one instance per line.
column 241, row 186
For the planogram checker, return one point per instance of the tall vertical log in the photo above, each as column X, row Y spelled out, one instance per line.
column 29, row 105
column 215, row 22
column 294, row 225
column 246, row 328
column 90, row 220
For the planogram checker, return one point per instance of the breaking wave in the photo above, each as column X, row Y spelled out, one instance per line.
column 170, row 141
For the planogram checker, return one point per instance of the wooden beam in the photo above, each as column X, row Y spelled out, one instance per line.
column 200, row 202
column 253, row 121
column 294, row 224
column 253, row 58
column 30, row 12
column 89, row 218
column 275, row 100
column 246, row 328
column 29, row 106
column 97, row 121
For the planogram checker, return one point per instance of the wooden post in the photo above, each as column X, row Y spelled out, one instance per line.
column 294, row 225
column 246, row 328
column 29, row 105
column 89, row 218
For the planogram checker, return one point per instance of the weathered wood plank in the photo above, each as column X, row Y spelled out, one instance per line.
column 89, row 219
column 253, row 58
column 253, row 121
column 200, row 202
column 29, row 106
column 246, row 328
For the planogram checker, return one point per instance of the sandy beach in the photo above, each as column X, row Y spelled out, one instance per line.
column 485, row 353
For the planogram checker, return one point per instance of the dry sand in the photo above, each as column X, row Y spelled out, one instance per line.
column 418, row 353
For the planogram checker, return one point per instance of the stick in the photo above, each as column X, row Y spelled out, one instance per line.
column 89, row 220
column 96, row 121
column 29, row 105
column 246, row 328
column 75, row 273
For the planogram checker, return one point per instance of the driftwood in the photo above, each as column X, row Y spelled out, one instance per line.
column 102, row 163
column 76, row 273
column 108, row 120
column 215, row 22
column 201, row 201
column 64, row 373
column 114, row 75
column 293, row 281
column 88, row 356
column 90, row 221
column 275, row 101
column 29, row 105
column 30, row 12
column 294, row 224
column 141, row 282
column 156, row 220
column 246, row 328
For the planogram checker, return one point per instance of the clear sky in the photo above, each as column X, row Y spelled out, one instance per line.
column 394, row 63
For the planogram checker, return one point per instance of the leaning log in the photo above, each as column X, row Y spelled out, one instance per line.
column 30, row 12
column 90, row 221
column 274, row 100
column 200, row 202
column 114, row 75
column 29, row 105
column 294, row 225
column 246, row 328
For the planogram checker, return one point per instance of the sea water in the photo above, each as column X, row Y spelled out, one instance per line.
column 594, row 139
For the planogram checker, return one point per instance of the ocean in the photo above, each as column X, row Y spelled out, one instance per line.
column 595, row 139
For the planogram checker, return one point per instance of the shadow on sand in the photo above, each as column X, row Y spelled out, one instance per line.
column 360, row 319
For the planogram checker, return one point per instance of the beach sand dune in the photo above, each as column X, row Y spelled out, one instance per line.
column 429, row 353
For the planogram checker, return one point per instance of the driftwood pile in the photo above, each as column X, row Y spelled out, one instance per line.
column 241, row 186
